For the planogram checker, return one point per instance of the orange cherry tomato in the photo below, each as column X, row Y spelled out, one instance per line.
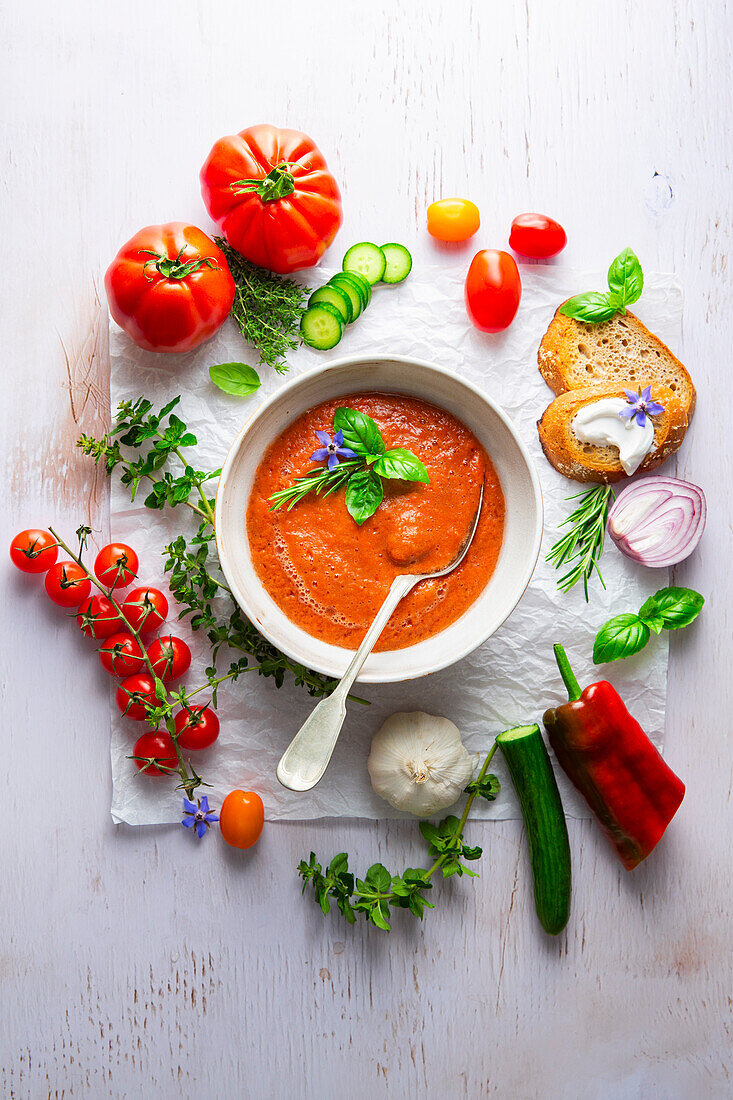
column 453, row 219
column 493, row 290
column 241, row 818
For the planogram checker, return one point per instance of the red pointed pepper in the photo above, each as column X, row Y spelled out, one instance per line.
column 614, row 765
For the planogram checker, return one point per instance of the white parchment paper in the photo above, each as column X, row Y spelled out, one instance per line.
column 509, row 680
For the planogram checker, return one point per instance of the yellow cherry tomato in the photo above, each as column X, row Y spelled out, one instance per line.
column 241, row 818
column 453, row 219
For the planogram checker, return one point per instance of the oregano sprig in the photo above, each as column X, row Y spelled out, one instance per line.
column 379, row 890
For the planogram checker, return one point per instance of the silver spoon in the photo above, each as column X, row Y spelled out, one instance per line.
column 306, row 757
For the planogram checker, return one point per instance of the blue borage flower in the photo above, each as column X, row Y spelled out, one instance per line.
column 332, row 449
column 198, row 816
column 640, row 406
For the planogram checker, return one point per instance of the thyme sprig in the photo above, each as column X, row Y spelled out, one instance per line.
column 148, row 447
column 582, row 546
column 266, row 308
column 373, row 895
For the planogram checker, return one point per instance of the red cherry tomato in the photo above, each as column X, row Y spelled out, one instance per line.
column 116, row 566
column 67, row 584
column 170, row 657
column 493, row 290
column 134, row 694
column 122, row 655
column 155, row 748
column 33, row 551
column 197, row 728
column 145, row 609
column 241, row 818
column 98, row 618
column 453, row 219
column 169, row 287
column 537, row 235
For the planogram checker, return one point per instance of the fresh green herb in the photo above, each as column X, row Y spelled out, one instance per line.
column 195, row 580
column 239, row 379
column 373, row 895
column 582, row 546
column 627, row 634
column 266, row 307
column 625, row 284
column 362, row 460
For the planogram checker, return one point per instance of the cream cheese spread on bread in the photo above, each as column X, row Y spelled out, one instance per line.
column 600, row 424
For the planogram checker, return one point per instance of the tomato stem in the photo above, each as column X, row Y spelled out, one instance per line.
column 277, row 184
column 173, row 267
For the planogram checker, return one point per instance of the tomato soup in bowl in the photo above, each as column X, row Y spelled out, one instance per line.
column 311, row 579
column 329, row 575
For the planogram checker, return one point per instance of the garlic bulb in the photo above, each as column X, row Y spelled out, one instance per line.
column 418, row 763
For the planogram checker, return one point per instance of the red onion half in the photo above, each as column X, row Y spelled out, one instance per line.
column 658, row 521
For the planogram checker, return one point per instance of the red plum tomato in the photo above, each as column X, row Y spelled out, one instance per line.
column 493, row 290
column 537, row 235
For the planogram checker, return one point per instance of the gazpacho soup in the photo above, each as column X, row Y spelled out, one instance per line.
column 330, row 575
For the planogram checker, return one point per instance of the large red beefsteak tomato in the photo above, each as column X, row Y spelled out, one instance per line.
column 169, row 287
column 272, row 196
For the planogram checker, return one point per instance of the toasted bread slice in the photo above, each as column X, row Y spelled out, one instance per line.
column 619, row 352
column 586, row 462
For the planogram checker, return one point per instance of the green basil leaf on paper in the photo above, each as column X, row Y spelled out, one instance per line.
column 625, row 277
column 363, row 494
column 591, row 307
column 361, row 434
column 238, row 379
column 675, row 607
column 401, row 463
column 622, row 636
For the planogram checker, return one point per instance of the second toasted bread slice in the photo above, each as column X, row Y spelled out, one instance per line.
column 619, row 352
column 588, row 462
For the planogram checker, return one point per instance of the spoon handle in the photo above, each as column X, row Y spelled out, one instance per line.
column 306, row 757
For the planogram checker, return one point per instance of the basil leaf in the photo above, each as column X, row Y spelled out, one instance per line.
column 363, row 494
column 625, row 277
column 674, row 607
column 361, row 434
column 591, row 307
column 622, row 636
column 238, row 379
column 401, row 463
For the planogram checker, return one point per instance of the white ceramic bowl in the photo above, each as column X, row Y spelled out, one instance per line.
column 490, row 425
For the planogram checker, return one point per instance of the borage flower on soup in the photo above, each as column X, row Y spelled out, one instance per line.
column 332, row 449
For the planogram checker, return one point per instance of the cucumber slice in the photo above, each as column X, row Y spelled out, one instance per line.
column 528, row 763
column 399, row 263
column 367, row 259
column 321, row 326
column 335, row 297
column 352, row 289
column 362, row 284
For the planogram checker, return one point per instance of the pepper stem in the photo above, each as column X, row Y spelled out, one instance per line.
column 277, row 184
column 567, row 674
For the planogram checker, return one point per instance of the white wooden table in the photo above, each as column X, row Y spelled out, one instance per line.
column 136, row 965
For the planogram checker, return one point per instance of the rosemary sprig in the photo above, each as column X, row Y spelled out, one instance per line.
column 378, row 890
column 322, row 481
column 582, row 546
column 266, row 307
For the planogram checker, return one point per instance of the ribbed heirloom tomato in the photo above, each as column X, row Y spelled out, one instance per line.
column 241, row 818
column 169, row 287
column 272, row 196
column 493, row 290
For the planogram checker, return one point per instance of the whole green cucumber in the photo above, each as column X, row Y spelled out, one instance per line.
column 534, row 781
